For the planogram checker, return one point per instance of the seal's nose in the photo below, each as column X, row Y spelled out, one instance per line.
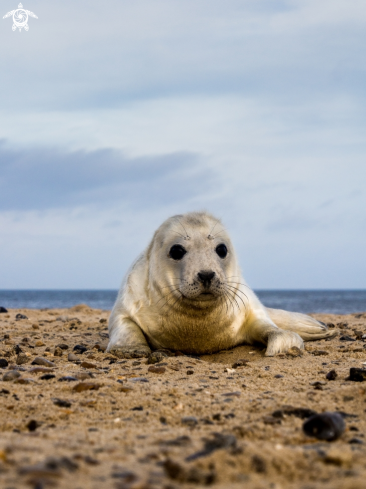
column 205, row 277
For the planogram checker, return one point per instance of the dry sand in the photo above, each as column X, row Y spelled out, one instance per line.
column 136, row 428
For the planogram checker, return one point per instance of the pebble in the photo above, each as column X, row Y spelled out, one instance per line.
column 3, row 310
column 319, row 353
column 32, row 425
column 80, row 349
column 86, row 386
column 43, row 361
column 58, row 352
column 156, row 370
column 39, row 343
column 35, row 326
column 302, row 413
column 139, row 379
column 48, row 377
column 20, row 316
column 230, row 394
column 22, row 358
column 190, row 372
column 332, row 375
column 156, row 357
column 3, row 363
column 61, row 403
column 67, row 378
column 63, row 346
column 325, row 426
column 11, row 375
column 21, row 380
column 189, row 420
column 88, row 365
column 346, row 338
column 72, row 357
column 40, row 370
column 357, row 374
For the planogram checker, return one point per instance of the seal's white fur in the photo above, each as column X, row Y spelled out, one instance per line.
column 163, row 304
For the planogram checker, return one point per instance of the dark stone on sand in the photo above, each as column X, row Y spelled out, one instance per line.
column 357, row 374
column 356, row 441
column 278, row 376
column 332, row 375
column 32, row 425
column 137, row 408
column 325, row 426
column 79, row 349
column 63, row 346
column 88, row 365
column 47, row 377
column 3, row 310
column 302, row 413
column 190, row 372
column 156, row 357
column 318, row 353
column 346, row 338
column 156, row 370
column 67, row 378
column 3, row 363
column 86, row 386
column 190, row 421
column 43, row 361
column 61, row 403
column 20, row 316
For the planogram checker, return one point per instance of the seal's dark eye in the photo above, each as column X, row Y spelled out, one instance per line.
column 221, row 250
column 177, row 252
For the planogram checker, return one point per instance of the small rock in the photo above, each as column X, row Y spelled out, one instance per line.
column 302, row 413
column 3, row 363
column 84, row 376
column 86, row 386
column 67, row 378
column 318, row 353
column 48, row 377
column 346, row 338
column 3, row 310
column 61, row 403
column 357, row 374
column 88, row 365
column 332, row 375
column 39, row 343
column 156, row 370
column 156, row 357
column 102, row 321
column 342, row 325
column 138, row 408
column 21, row 380
column 42, row 361
column 35, row 326
column 278, row 376
column 20, row 316
column 356, row 441
column 80, row 349
column 63, row 346
column 232, row 394
column 325, row 426
column 32, row 425
column 294, row 352
column 190, row 421
column 190, row 372
column 58, row 352
column 40, row 370
column 11, row 375
column 259, row 464
column 72, row 357
column 22, row 358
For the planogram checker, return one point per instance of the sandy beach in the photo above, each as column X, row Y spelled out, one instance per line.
column 229, row 420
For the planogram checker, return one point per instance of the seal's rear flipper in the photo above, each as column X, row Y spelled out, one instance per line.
column 307, row 327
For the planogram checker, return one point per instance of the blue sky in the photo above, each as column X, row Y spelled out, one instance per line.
column 116, row 115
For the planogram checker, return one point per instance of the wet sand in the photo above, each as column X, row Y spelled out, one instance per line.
column 228, row 420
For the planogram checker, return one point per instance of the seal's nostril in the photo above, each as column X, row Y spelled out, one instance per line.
column 205, row 277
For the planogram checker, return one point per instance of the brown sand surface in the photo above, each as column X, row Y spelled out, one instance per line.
column 194, row 422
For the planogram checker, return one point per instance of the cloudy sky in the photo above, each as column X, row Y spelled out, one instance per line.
column 115, row 115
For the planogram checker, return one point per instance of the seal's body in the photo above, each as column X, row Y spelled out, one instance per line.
column 186, row 293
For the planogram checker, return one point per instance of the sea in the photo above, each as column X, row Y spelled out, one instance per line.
column 306, row 301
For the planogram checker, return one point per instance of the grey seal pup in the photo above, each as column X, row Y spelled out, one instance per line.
column 185, row 292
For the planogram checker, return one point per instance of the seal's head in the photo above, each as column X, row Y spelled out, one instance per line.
column 192, row 259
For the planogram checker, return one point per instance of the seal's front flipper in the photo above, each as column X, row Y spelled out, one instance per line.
column 307, row 327
column 126, row 338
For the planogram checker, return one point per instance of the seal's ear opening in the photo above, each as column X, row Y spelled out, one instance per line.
column 177, row 252
column 221, row 250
